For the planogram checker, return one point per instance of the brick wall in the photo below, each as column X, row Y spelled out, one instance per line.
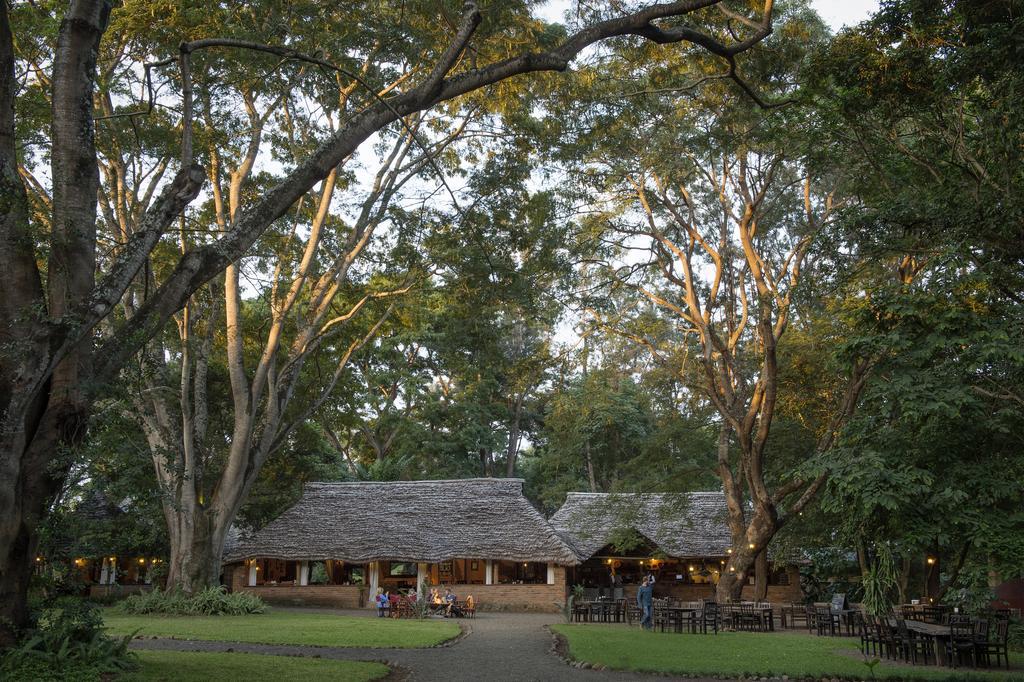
column 503, row 597
column 336, row 596
column 237, row 577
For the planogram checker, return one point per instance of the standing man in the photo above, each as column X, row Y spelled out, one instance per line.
column 645, row 600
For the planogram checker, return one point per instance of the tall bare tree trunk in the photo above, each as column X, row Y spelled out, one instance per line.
column 761, row 576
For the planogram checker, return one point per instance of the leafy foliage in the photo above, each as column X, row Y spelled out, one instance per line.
column 68, row 643
column 212, row 601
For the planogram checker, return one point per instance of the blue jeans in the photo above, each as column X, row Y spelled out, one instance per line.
column 645, row 620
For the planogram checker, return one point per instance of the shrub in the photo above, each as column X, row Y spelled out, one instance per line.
column 213, row 601
column 1016, row 639
column 68, row 643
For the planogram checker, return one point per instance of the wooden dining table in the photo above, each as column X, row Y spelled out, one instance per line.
column 938, row 634
column 603, row 611
column 679, row 611
column 765, row 614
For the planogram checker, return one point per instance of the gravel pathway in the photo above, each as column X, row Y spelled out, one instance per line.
column 497, row 647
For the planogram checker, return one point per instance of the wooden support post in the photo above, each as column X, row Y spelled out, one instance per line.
column 488, row 572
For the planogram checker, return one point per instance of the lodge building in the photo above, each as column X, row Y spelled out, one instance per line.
column 482, row 537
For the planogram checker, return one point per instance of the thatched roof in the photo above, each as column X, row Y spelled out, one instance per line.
column 685, row 525
column 425, row 521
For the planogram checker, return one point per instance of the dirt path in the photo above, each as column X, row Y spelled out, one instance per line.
column 498, row 647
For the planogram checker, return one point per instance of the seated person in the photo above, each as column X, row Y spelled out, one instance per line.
column 449, row 601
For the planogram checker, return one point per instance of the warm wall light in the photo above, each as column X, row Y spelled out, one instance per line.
column 931, row 560
column 142, row 561
column 692, row 568
column 729, row 551
column 752, row 545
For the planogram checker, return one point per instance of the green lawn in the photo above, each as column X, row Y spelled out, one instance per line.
column 289, row 627
column 186, row 666
column 739, row 653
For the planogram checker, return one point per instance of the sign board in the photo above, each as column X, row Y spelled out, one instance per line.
column 839, row 601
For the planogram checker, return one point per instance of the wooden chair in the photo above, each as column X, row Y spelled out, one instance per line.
column 794, row 614
column 911, row 645
column 709, row 616
column 826, row 621
column 811, row 617
column 469, row 608
column 884, row 633
column 961, row 642
column 997, row 646
column 869, row 642
column 980, row 638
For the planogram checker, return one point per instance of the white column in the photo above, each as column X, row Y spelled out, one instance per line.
column 488, row 573
column 373, row 569
column 551, row 574
column 422, row 575
column 252, row 573
column 103, row 571
column 303, row 572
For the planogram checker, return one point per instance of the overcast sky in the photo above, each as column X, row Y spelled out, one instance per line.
column 839, row 13
column 836, row 13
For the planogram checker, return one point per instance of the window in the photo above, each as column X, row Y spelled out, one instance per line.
column 402, row 569
column 526, row 572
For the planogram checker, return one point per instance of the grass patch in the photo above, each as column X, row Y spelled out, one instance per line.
column 188, row 666
column 289, row 627
column 746, row 653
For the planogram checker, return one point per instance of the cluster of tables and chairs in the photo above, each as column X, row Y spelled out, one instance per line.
column 914, row 634
column 954, row 640
column 680, row 616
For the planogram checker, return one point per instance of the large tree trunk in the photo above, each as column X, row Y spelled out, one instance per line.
column 761, row 576
column 744, row 557
column 197, row 544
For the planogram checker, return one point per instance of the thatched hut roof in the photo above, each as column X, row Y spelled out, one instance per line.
column 684, row 525
column 423, row 521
